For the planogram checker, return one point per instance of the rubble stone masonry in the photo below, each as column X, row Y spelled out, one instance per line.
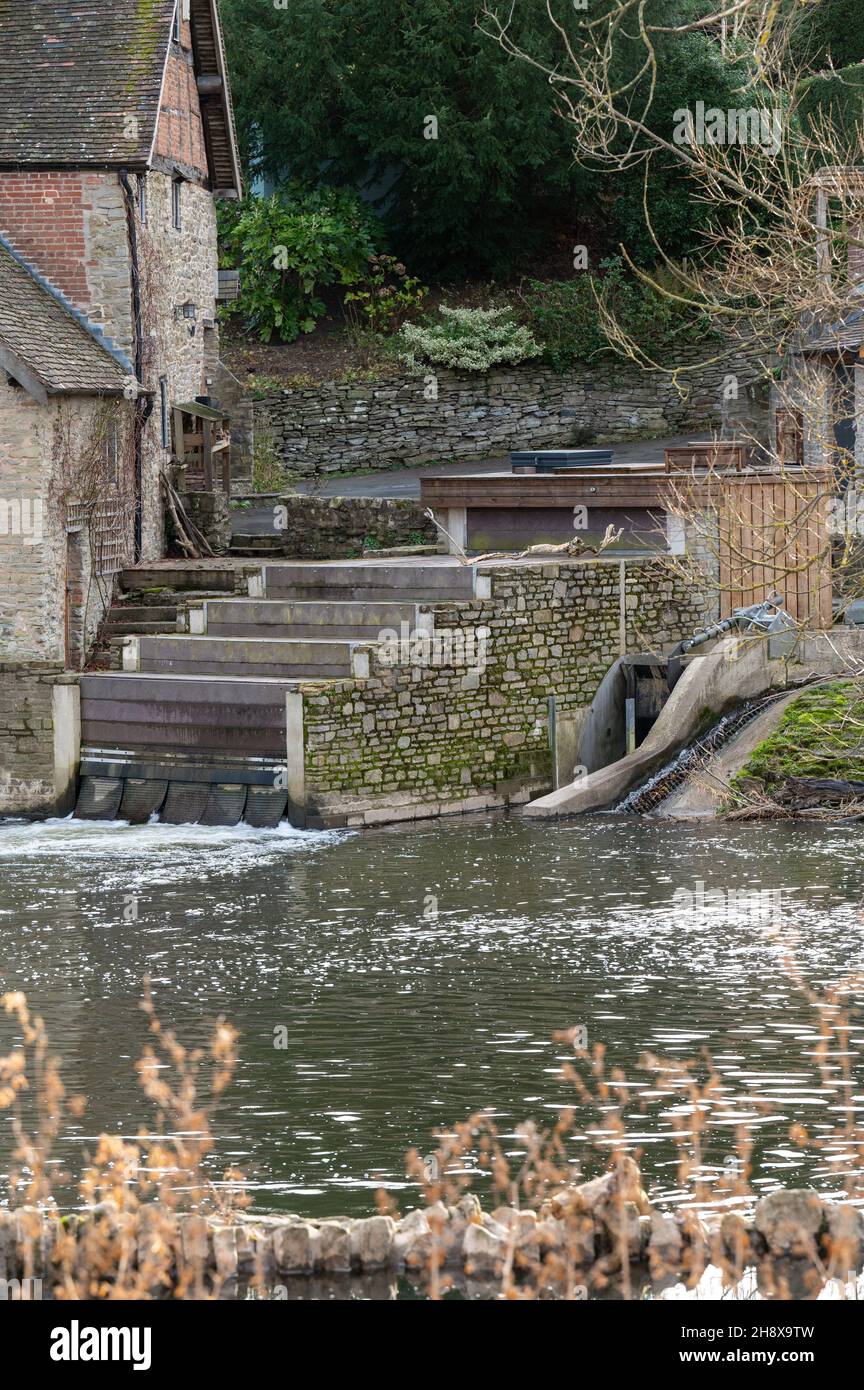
column 178, row 265
column 43, row 553
column 27, row 738
column 339, row 428
column 416, row 739
column 333, row 528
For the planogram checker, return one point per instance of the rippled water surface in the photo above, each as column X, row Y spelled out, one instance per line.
column 415, row 975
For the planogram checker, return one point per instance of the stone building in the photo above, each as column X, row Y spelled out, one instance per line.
column 820, row 401
column 117, row 137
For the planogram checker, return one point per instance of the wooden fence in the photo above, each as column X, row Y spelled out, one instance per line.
column 773, row 534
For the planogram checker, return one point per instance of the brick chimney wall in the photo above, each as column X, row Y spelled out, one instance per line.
column 42, row 216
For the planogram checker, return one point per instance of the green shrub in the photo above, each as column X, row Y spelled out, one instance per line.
column 566, row 319
column 268, row 470
column 469, row 340
column 563, row 315
column 385, row 296
column 287, row 247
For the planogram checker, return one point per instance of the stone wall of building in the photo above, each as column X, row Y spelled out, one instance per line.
column 27, row 737
column 421, row 739
column 51, row 587
column 71, row 228
column 342, row 428
column 74, row 230
column 178, row 266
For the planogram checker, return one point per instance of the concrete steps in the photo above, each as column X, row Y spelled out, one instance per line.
column 125, row 620
column 295, row 619
column 299, row 659
column 362, row 582
column 145, row 612
column 180, row 579
column 256, row 547
column 204, row 722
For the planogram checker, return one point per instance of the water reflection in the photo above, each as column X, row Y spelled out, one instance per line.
column 416, row 974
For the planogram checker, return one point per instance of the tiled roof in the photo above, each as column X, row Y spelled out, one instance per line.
column 843, row 335
column 49, row 339
column 80, row 80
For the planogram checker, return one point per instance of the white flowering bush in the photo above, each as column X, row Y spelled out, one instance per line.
column 469, row 340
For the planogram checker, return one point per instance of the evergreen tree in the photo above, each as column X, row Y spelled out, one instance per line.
column 354, row 92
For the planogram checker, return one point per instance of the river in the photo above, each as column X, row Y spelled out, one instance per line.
column 412, row 975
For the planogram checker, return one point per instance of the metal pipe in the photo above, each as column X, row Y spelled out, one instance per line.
column 140, row 407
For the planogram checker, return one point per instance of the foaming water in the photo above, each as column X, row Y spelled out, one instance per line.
column 79, row 837
column 388, row 984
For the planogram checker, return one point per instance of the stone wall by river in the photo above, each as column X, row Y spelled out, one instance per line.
column 420, row 738
column 581, row 1239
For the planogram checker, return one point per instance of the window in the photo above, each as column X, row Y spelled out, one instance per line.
column 166, row 417
column 111, row 453
column 142, row 199
column 176, row 205
column 175, row 31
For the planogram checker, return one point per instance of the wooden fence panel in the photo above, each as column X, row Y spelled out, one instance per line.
column 773, row 535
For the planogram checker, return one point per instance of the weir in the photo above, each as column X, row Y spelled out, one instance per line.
column 712, row 700
column 205, row 726
column 660, row 785
column 635, row 690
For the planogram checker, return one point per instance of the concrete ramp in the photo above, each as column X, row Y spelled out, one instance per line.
column 737, row 669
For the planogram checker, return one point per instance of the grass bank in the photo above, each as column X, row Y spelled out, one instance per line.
column 820, row 735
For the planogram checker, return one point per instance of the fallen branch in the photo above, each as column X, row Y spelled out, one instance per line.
column 571, row 550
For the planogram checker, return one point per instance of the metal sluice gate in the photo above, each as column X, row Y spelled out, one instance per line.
column 108, row 792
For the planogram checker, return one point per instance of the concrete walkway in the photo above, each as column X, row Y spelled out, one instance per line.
column 405, row 482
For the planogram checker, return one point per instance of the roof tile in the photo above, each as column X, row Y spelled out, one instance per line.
column 49, row 339
column 80, row 80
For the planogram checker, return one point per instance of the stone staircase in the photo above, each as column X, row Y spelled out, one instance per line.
column 255, row 547
column 152, row 601
column 196, row 726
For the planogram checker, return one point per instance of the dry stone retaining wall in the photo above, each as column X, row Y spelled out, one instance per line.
column 338, row 428
column 333, row 528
